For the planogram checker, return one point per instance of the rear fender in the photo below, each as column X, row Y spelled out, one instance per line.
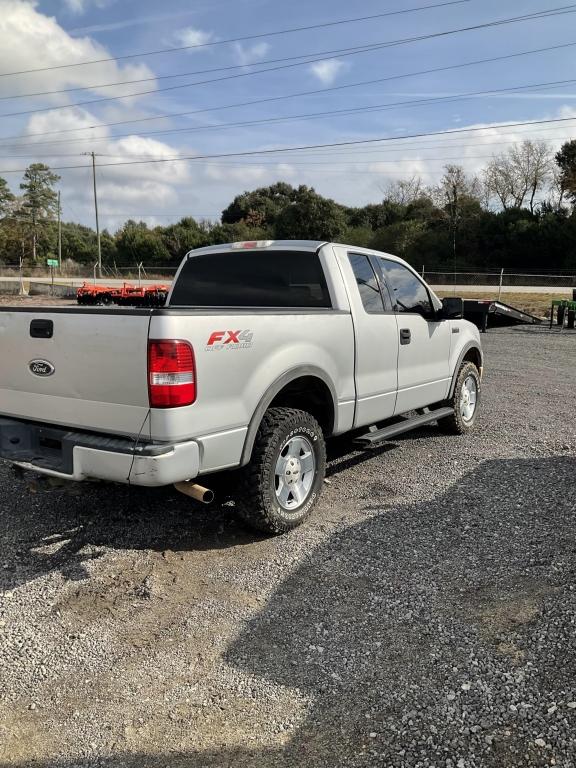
column 272, row 392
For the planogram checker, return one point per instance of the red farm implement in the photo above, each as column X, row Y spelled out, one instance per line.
column 126, row 295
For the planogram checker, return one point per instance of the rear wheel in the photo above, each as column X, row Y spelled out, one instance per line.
column 283, row 481
column 465, row 401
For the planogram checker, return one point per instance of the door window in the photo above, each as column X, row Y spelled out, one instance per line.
column 409, row 294
column 367, row 283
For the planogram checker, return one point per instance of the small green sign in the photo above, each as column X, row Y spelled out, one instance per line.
column 52, row 262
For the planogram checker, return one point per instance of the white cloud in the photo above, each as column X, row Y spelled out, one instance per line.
column 135, row 21
column 250, row 54
column 31, row 40
column 327, row 71
column 79, row 6
column 192, row 36
column 130, row 189
column 246, row 174
column 76, row 6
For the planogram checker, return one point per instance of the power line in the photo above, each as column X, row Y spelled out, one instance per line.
column 365, row 48
column 243, row 38
column 161, row 215
column 331, row 164
column 355, row 142
column 266, row 120
column 435, row 100
column 311, row 163
column 354, row 52
column 419, row 102
column 333, row 52
column 419, row 147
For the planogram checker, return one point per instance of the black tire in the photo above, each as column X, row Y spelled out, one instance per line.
column 560, row 316
column 456, row 424
column 257, row 502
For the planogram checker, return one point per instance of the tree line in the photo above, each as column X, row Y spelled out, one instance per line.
column 519, row 213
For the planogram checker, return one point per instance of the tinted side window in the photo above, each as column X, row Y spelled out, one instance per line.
column 367, row 282
column 409, row 294
column 260, row 278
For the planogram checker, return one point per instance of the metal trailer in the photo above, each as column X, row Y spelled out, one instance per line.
column 485, row 313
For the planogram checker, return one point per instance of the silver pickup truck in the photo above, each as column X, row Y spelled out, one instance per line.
column 262, row 352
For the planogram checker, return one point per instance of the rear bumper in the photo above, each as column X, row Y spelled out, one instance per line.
column 73, row 455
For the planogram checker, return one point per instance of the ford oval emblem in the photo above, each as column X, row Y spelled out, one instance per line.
column 41, row 368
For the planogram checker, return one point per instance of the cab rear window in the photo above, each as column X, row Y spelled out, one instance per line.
column 252, row 279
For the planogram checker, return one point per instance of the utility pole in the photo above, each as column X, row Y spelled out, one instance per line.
column 93, row 156
column 59, row 234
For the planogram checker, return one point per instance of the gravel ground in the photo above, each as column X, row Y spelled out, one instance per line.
column 424, row 617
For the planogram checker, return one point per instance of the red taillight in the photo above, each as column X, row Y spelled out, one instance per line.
column 171, row 374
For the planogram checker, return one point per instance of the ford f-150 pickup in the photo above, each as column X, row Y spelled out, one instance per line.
column 263, row 351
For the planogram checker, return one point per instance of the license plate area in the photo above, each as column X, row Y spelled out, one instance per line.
column 43, row 447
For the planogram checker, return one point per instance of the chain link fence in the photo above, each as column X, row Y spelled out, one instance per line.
column 496, row 283
column 75, row 273
column 491, row 282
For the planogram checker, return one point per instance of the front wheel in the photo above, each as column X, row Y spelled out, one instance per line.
column 283, row 481
column 465, row 401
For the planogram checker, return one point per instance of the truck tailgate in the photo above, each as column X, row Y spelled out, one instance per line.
column 99, row 361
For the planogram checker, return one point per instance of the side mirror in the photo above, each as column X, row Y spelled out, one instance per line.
column 452, row 308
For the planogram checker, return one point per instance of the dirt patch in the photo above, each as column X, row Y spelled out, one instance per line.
column 503, row 608
column 35, row 301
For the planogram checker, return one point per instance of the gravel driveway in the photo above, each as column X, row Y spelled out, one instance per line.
column 424, row 617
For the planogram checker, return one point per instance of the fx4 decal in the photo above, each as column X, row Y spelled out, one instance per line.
column 229, row 340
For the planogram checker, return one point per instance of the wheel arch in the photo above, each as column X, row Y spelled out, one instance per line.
column 305, row 387
column 470, row 352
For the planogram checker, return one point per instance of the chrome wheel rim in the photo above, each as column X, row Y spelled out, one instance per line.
column 468, row 398
column 295, row 472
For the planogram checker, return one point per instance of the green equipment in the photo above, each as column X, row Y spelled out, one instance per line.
column 565, row 312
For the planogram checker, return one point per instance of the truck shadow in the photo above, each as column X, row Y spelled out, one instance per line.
column 416, row 634
column 62, row 527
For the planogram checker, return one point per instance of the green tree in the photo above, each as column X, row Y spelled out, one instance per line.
column 234, row 233
column 376, row 215
column 311, row 217
column 361, row 236
column 40, row 201
column 78, row 242
column 183, row 236
column 566, row 161
column 136, row 243
column 260, row 207
column 12, row 240
column 6, row 197
column 399, row 238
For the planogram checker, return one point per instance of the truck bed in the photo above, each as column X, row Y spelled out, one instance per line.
column 100, row 381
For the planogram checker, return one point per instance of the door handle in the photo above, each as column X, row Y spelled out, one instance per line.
column 405, row 336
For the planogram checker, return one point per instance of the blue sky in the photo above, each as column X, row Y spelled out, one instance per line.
column 52, row 33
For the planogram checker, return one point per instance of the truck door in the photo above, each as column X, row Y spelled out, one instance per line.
column 376, row 335
column 424, row 342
